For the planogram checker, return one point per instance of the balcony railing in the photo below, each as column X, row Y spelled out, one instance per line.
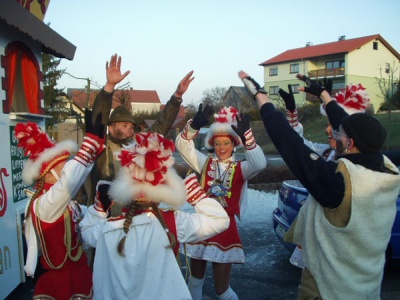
column 335, row 72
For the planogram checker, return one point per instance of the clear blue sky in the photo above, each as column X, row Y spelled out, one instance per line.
column 160, row 41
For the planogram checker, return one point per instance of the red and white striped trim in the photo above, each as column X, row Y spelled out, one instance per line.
column 250, row 140
column 292, row 117
column 91, row 147
column 188, row 132
column 194, row 191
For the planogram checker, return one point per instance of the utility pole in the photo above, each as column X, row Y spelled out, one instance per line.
column 87, row 88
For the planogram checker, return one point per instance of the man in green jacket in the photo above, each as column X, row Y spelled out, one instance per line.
column 121, row 125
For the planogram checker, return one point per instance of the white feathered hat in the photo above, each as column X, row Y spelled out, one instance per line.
column 147, row 172
column 222, row 127
column 353, row 99
column 43, row 153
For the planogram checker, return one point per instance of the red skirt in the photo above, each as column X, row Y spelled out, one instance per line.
column 225, row 247
column 65, row 283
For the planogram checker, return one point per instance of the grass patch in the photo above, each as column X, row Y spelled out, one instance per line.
column 314, row 131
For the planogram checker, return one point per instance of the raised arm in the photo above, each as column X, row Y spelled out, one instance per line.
column 103, row 100
column 168, row 115
column 317, row 175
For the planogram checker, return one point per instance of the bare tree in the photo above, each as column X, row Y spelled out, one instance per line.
column 214, row 97
column 191, row 110
column 388, row 83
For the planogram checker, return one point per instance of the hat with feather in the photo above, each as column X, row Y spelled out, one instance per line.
column 147, row 172
column 43, row 153
column 354, row 99
column 222, row 127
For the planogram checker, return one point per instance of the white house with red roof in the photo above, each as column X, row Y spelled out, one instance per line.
column 345, row 61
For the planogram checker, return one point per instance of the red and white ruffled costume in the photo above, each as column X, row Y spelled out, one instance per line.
column 149, row 269
column 225, row 247
column 53, row 223
column 52, row 216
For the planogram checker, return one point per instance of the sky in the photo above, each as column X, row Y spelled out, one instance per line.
column 161, row 41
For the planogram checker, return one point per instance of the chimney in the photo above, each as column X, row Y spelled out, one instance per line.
column 342, row 38
column 308, row 44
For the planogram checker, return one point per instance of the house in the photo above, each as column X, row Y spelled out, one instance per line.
column 70, row 122
column 345, row 61
column 176, row 126
column 135, row 100
column 239, row 98
column 24, row 37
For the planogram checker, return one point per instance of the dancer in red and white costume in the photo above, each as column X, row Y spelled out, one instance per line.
column 52, row 216
column 224, row 179
column 135, row 256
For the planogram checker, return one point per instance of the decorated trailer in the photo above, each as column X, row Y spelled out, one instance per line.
column 23, row 39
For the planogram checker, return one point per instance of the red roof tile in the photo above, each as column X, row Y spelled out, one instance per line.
column 135, row 96
column 140, row 96
column 342, row 46
column 78, row 96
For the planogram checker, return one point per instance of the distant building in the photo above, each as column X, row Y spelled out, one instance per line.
column 357, row 60
column 134, row 100
column 239, row 98
column 137, row 101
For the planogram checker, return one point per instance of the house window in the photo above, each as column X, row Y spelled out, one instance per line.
column 294, row 68
column 295, row 88
column 273, row 90
column 375, row 46
column 335, row 64
column 387, row 68
column 273, row 71
column 22, row 84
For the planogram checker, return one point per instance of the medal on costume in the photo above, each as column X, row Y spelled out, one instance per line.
column 218, row 191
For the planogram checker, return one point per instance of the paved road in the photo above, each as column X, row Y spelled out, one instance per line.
column 267, row 273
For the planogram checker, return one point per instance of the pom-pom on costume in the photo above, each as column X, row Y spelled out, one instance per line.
column 222, row 127
column 51, row 216
column 135, row 251
column 353, row 99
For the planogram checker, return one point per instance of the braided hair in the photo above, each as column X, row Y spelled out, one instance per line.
column 127, row 224
column 128, row 221
column 39, row 189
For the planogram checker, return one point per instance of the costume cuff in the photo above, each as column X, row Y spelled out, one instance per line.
column 250, row 140
column 292, row 118
column 91, row 147
column 194, row 191
column 188, row 133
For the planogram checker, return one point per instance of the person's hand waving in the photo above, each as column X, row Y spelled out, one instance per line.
column 202, row 117
column 288, row 98
column 183, row 85
column 312, row 86
column 113, row 72
column 243, row 125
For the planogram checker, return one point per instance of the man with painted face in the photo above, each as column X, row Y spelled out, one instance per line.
column 345, row 224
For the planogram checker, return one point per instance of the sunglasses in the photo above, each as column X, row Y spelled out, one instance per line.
column 337, row 134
